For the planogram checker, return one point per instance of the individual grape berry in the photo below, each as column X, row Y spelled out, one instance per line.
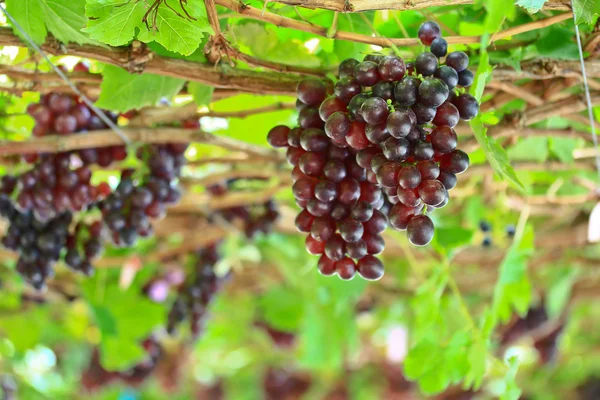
column 312, row 163
column 314, row 246
column 357, row 250
column 337, row 125
column 467, row 106
column 429, row 31
column 367, row 73
column 426, row 64
column 65, row 124
column 356, row 137
column 439, row 47
column 428, row 169
column 448, row 179
column 400, row 215
column 384, row 90
column 355, row 171
column 409, row 197
column 335, row 171
column 458, row 60
column 304, row 221
column 331, row 105
column 466, row 78
column 375, row 243
column 420, row 230
column 370, row 268
column 369, row 192
column 309, row 118
column 401, row 122
column 318, row 208
column 432, row 192
column 346, row 68
column 387, row 175
column 326, row 191
column 335, row 248
column 345, row 268
column 377, row 133
column 304, row 189
column 293, row 155
column 322, row 228
column 443, row 139
column 374, row 110
column 311, row 91
column 314, row 139
column 447, row 75
column 422, row 150
column 346, row 88
column 376, row 224
column 424, row 114
column 433, row 92
column 396, row 149
column 446, row 114
column 361, row 211
column 337, row 153
column 355, row 105
column 339, row 212
column 278, row 136
column 60, row 103
column 455, row 162
column 351, row 230
column 406, row 91
column 348, row 191
column 392, row 68
column 409, row 177
column 326, row 266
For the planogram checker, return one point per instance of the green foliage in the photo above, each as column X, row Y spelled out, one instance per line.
column 202, row 93
column 122, row 91
column 115, row 23
column 532, row 6
column 62, row 18
column 585, row 10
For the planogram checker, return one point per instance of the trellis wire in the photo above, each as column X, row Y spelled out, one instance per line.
column 587, row 92
column 65, row 78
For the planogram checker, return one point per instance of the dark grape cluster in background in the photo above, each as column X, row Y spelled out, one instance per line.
column 384, row 136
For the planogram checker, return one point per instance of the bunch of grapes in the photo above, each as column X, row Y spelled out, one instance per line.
column 384, row 138
column 64, row 114
column 129, row 210
column 255, row 219
column 195, row 296
column 53, row 187
column 84, row 246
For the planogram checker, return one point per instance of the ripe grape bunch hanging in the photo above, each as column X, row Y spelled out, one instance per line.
column 381, row 149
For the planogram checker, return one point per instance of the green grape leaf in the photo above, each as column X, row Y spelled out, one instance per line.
column 202, row 93
column 30, row 16
column 513, row 289
column 122, row 91
column 585, row 10
column 63, row 18
column 532, row 6
column 176, row 32
column 495, row 154
column 115, row 22
column 530, row 149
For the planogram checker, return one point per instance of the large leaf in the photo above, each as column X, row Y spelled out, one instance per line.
column 63, row 18
column 122, row 91
column 115, row 22
column 585, row 10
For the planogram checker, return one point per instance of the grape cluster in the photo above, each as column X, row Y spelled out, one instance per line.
column 384, row 137
column 84, row 246
column 52, row 187
column 64, row 114
column 195, row 297
column 129, row 210
column 38, row 243
column 256, row 219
